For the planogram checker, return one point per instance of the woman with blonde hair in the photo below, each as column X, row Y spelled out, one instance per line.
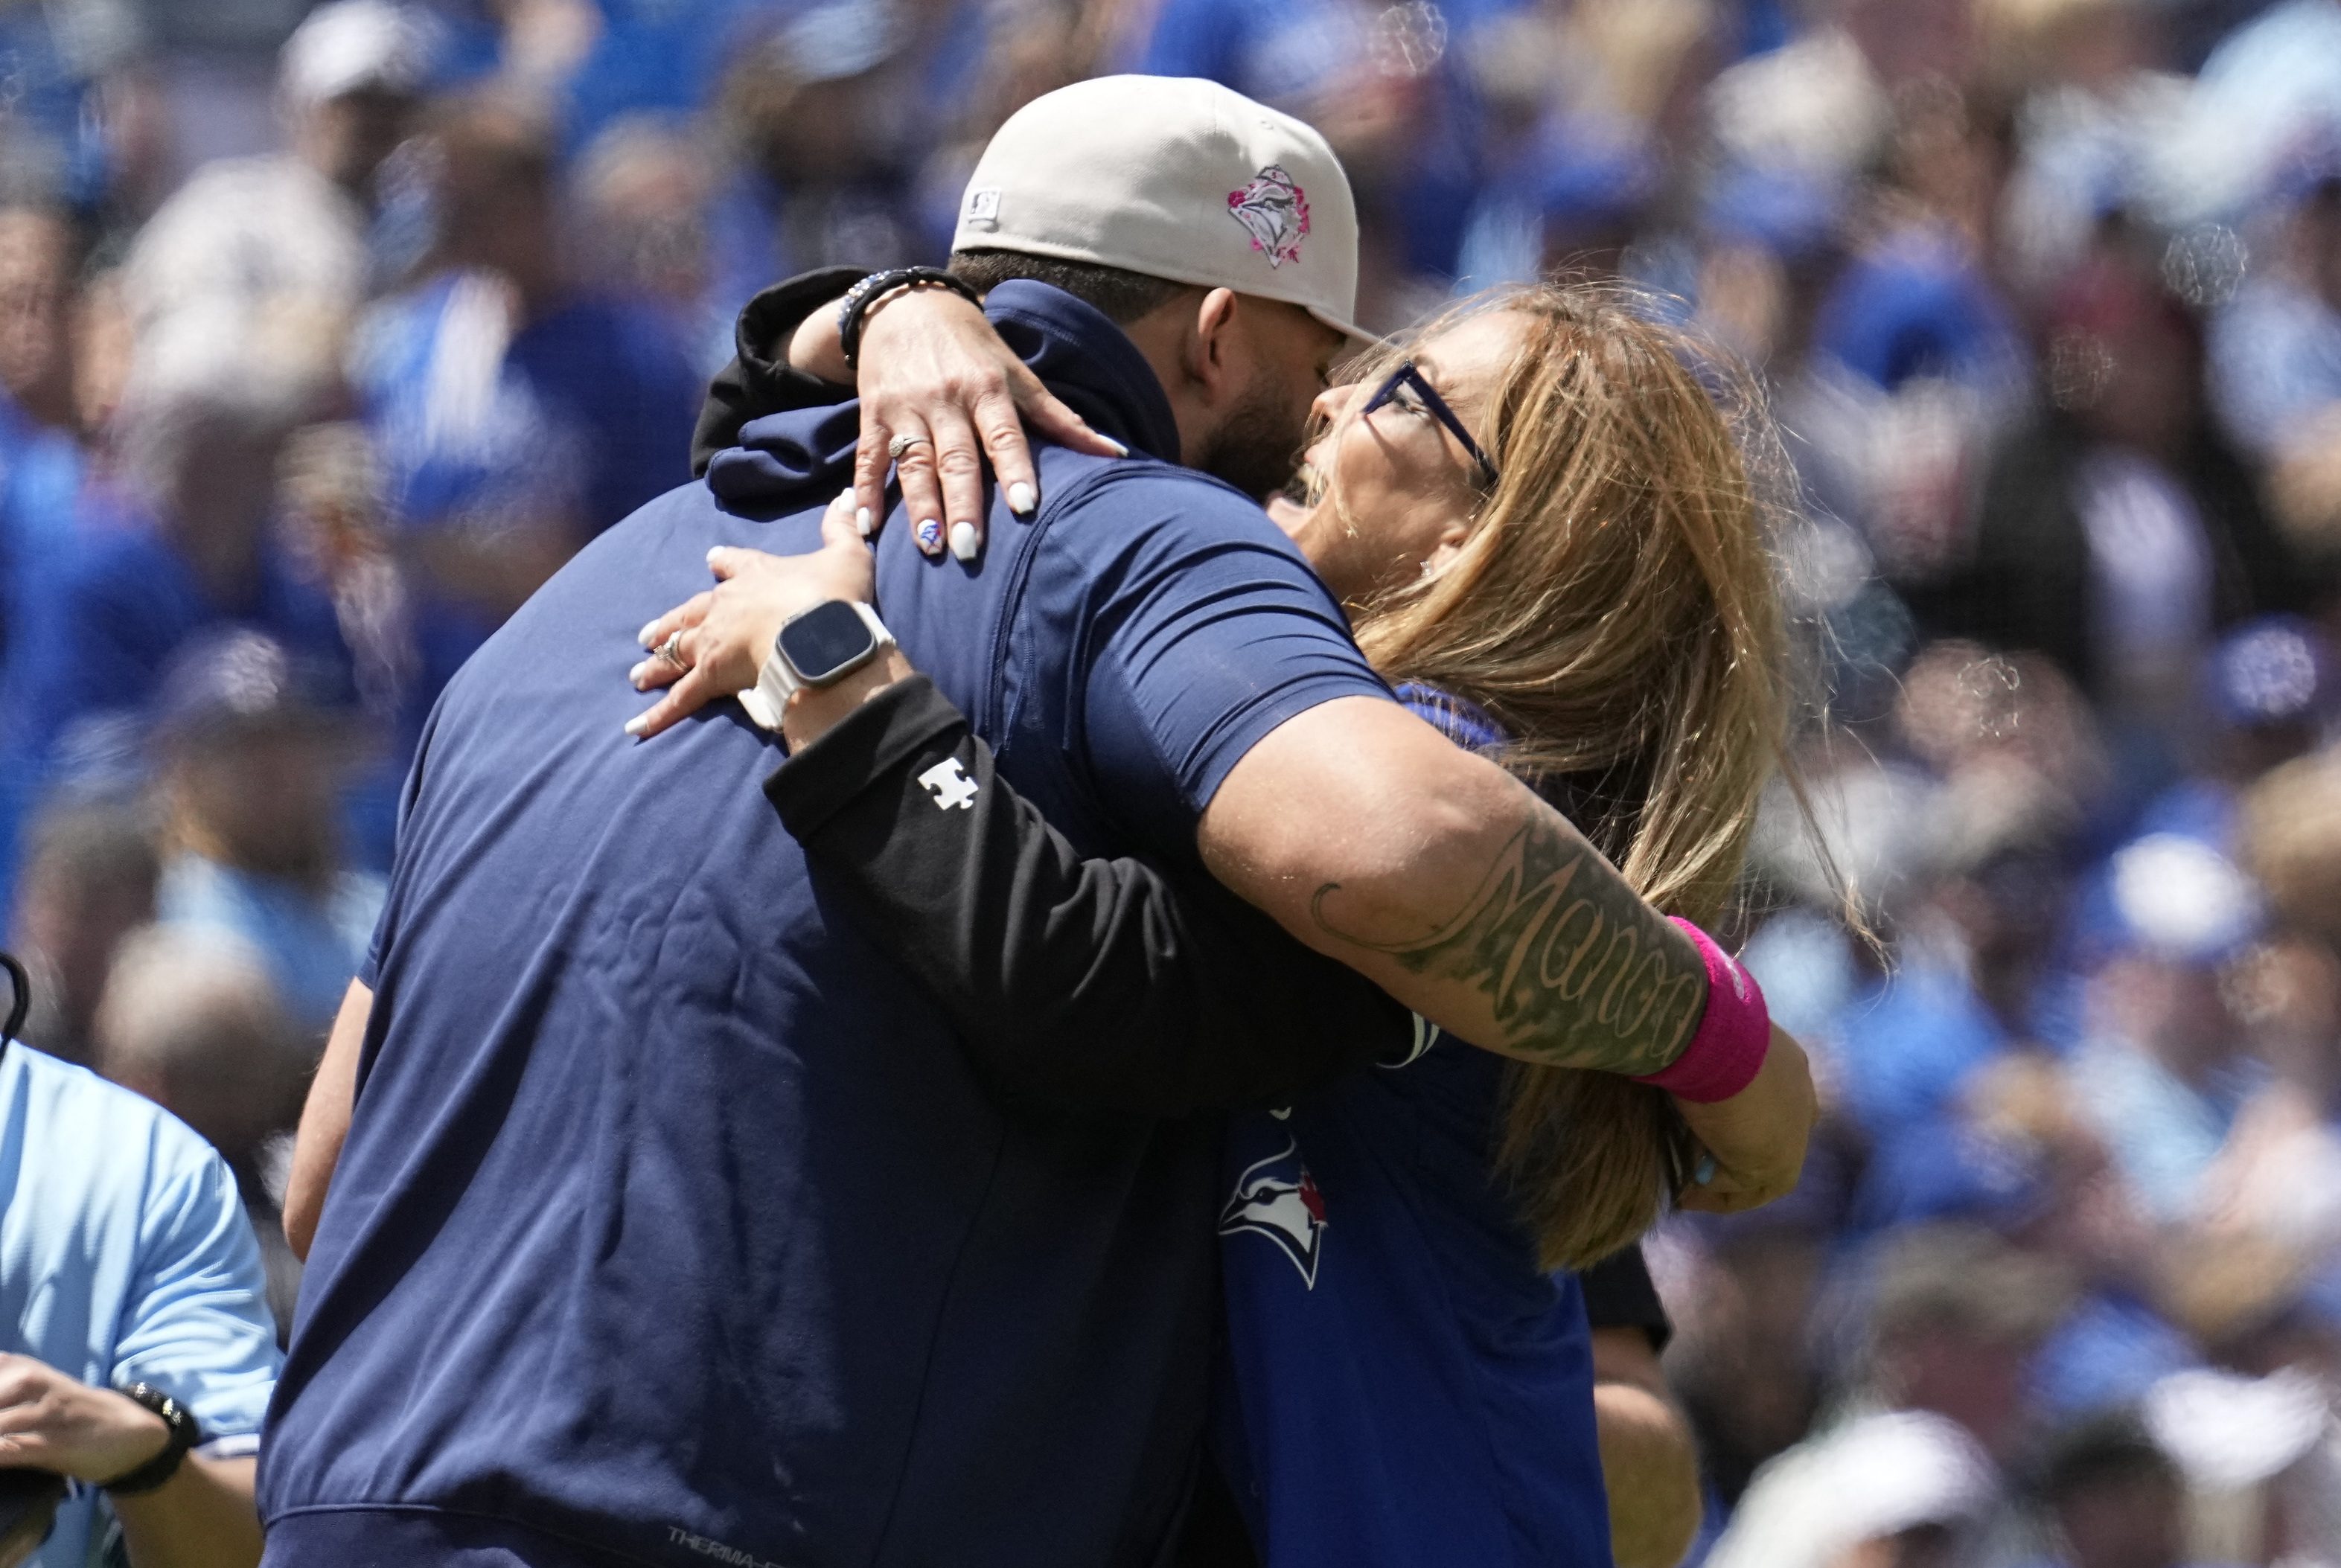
column 1551, row 540
column 1610, row 608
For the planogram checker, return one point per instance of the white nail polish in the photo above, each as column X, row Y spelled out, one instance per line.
column 862, row 519
column 962, row 541
column 644, row 636
column 1021, row 498
column 637, row 672
column 637, row 724
column 712, row 554
column 930, row 535
column 1119, row 450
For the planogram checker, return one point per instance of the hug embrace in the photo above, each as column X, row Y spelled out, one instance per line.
column 977, row 1071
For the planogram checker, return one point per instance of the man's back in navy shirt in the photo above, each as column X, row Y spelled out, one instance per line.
column 673, row 1221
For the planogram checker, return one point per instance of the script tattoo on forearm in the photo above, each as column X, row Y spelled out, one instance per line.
column 1571, row 959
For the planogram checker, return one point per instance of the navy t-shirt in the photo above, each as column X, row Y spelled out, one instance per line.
column 673, row 1222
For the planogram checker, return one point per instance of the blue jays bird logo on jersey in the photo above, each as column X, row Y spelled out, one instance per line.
column 1278, row 1199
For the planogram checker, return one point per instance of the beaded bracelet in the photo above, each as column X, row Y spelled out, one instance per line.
column 877, row 286
column 179, row 1422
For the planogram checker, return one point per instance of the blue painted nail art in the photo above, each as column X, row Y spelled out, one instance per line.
column 931, row 535
column 1705, row 1173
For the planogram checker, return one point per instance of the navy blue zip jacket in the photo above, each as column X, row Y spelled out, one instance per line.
column 675, row 1226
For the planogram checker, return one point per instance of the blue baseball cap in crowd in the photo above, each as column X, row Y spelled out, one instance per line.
column 233, row 679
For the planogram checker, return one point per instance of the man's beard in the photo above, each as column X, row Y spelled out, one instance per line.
column 1258, row 446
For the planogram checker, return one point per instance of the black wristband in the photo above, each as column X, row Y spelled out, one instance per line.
column 184, row 1434
column 877, row 286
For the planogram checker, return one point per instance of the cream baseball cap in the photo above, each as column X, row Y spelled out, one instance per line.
column 1174, row 177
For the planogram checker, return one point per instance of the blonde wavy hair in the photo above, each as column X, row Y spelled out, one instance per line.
column 1614, row 609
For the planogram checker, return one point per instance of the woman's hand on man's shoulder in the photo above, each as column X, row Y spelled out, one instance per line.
column 713, row 645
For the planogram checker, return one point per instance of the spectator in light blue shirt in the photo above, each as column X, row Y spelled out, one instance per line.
column 125, row 1259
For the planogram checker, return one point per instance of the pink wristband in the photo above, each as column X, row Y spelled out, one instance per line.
column 1725, row 1053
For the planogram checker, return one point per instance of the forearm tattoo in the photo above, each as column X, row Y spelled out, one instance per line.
column 1573, row 962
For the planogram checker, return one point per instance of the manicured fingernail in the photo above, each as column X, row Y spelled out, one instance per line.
column 962, row 541
column 644, row 636
column 1705, row 1173
column 931, row 536
column 637, row 724
column 1118, row 449
column 639, row 673
column 713, row 554
column 862, row 519
column 1021, row 498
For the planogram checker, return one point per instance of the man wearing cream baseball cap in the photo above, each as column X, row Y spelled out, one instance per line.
column 873, row 1307
column 1217, row 234
column 761, row 1259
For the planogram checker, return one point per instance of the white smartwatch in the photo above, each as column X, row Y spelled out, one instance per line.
column 816, row 647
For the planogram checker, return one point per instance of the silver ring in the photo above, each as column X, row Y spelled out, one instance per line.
column 903, row 443
column 671, row 648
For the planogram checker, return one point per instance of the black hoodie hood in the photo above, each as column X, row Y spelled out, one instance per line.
column 784, row 460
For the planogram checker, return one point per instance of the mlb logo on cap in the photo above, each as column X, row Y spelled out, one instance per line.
column 1176, row 178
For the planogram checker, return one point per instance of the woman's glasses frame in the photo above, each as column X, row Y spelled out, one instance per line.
column 1407, row 376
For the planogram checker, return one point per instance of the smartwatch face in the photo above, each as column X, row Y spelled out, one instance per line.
column 825, row 640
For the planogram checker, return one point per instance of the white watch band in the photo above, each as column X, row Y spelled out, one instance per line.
column 778, row 680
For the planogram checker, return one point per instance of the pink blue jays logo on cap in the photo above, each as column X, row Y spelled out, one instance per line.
column 1274, row 212
column 1278, row 1199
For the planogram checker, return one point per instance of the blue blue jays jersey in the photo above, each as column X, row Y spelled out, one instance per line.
column 1407, row 1386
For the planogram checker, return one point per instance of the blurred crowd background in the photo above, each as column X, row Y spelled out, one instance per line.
column 326, row 334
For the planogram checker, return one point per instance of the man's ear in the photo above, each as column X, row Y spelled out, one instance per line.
column 1212, row 354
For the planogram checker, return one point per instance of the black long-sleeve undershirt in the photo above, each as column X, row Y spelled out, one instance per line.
column 754, row 384
column 1114, row 984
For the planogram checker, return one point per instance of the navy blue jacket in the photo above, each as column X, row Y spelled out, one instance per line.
column 674, row 1225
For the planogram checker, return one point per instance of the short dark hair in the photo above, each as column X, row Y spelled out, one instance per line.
column 1122, row 296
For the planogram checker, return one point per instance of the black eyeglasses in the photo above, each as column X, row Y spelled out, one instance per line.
column 1408, row 378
